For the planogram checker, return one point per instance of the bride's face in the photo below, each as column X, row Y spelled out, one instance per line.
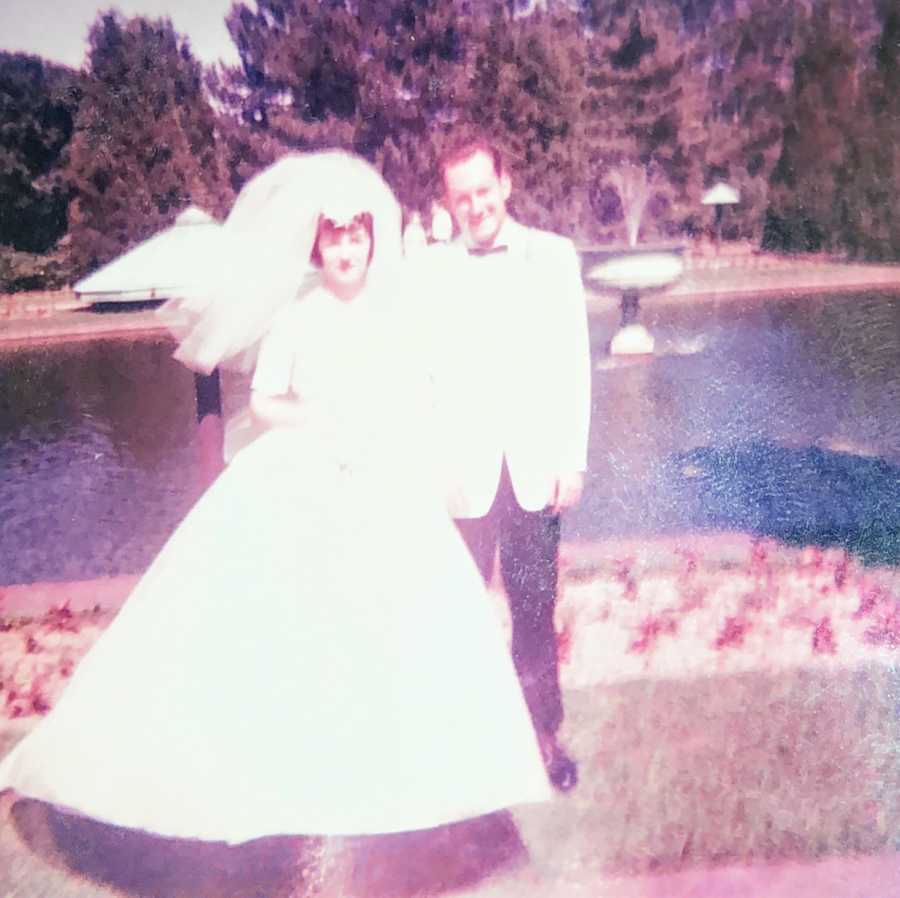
column 345, row 251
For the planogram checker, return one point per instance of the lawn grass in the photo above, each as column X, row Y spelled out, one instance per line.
column 760, row 766
column 696, row 747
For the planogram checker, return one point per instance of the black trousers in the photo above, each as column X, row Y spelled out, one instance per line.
column 529, row 563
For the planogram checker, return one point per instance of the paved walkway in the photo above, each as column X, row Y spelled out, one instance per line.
column 39, row 858
column 877, row 876
column 841, row 877
column 788, row 277
column 655, row 552
column 767, row 278
column 707, row 278
column 79, row 324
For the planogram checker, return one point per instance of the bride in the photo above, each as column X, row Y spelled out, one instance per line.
column 286, row 665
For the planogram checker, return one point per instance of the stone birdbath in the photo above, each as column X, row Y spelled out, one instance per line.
column 632, row 269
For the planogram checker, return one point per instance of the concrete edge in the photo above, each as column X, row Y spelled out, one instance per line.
column 736, row 282
column 598, row 302
column 35, row 599
column 36, row 335
column 845, row 876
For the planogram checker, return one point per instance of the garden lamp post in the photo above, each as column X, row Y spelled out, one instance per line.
column 720, row 196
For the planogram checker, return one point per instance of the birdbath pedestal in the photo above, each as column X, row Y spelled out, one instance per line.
column 631, row 271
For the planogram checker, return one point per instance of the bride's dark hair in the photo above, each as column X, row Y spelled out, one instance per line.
column 363, row 218
column 265, row 249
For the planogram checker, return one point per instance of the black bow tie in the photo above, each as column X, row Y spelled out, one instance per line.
column 487, row 250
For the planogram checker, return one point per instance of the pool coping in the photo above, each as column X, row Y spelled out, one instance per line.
column 109, row 593
column 79, row 325
column 35, row 599
column 759, row 277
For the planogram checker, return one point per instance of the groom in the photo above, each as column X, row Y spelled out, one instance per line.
column 517, row 392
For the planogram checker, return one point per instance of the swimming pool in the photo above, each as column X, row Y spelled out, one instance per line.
column 772, row 416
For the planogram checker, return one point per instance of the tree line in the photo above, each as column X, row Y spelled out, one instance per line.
column 794, row 102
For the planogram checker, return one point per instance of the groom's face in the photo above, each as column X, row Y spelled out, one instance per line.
column 476, row 197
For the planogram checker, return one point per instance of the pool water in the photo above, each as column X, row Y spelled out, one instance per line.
column 778, row 417
column 96, row 458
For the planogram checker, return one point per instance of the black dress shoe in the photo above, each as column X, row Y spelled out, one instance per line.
column 561, row 769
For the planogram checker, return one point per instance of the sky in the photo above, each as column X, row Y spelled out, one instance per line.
column 58, row 29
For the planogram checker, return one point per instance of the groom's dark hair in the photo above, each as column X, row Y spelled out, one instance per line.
column 466, row 149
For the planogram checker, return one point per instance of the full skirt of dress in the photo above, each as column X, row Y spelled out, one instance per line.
column 312, row 652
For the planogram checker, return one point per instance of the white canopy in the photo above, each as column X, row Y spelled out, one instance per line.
column 721, row 195
column 162, row 263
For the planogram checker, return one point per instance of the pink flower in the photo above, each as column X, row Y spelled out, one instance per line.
column 823, row 637
column 886, row 629
column 732, row 633
column 841, row 569
column 870, row 599
column 812, row 558
column 564, row 643
column 650, row 629
column 759, row 557
column 690, row 563
column 60, row 618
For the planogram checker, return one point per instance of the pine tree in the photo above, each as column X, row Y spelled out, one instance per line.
column 639, row 89
column 811, row 207
column 374, row 78
column 145, row 143
column 746, row 58
column 868, row 225
column 523, row 93
column 38, row 102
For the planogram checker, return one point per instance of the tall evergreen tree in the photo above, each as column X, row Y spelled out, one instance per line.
column 145, row 143
column 810, row 207
column 868, row 224
column 746, row 57
column 524, row 91
column 38, row 103
column 371, row 77
column 638, row 90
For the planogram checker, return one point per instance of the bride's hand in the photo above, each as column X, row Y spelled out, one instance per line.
column 569, row 488
column 455, row 502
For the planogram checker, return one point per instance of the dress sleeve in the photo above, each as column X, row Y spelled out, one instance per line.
column 275, row 364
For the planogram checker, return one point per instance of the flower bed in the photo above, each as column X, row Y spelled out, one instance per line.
column 723, row 708
column 779, row 608
column 38, row 655
column 730, row 710
column 622, row 619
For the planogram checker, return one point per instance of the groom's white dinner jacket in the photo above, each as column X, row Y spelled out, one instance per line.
column 511, row 364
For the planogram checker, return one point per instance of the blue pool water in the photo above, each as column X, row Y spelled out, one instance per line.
column 778, row 417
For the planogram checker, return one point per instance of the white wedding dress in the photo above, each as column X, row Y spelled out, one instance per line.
column 313, row 651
